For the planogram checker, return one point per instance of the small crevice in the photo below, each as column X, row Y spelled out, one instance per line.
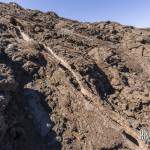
column 131, row 138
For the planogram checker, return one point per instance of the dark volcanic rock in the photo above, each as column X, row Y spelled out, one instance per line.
column 71, row 85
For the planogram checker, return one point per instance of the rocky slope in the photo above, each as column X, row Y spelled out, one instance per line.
column 71, row 85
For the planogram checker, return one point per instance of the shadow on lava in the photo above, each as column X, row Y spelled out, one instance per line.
column 100, row 80
column 41, row 118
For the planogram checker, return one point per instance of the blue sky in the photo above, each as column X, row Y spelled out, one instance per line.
column 130, row 12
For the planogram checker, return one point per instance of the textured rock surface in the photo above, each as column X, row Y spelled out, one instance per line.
column 91, row 92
